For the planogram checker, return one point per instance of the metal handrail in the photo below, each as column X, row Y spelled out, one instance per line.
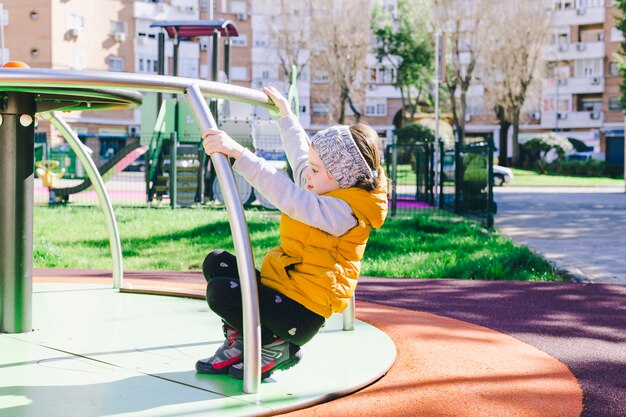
column 50, row 78
column 241, row 240
column 194, row 90
column 98, row 184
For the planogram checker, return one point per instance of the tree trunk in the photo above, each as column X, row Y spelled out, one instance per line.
column 404, row 120
column 463, row 110
column 455, row 116
column 515, row 142
column 342, row 109
column 503, row 140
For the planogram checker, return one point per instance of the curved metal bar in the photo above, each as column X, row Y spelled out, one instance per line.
column 241, row 240
column 194, row 90
column 41, row 77
column 348, row 315
column 98, row 184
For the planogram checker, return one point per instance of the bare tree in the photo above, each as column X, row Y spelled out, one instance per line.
column 513, row 59
column 462, row 23
column 341, row 36
column 290, row 34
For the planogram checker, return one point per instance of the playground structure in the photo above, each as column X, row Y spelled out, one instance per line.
column 31, row 91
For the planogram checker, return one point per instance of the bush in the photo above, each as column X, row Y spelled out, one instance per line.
column 538, row 149
column 588, row 168
column 408, row 136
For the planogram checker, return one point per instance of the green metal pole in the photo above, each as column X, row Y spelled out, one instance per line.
column 173, row 168
column 490, row 200
column 17, row 142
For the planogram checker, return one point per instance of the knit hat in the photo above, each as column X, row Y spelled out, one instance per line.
column 341, row 156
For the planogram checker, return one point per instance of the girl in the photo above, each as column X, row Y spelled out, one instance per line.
column 339, row 194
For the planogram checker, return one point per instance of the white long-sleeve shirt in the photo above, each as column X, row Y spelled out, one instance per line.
column 332, row 215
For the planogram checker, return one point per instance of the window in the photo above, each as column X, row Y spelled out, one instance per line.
column 149, row 65
column 321, row 109
column 116, row 63
column 116, row 26
column 548, row 104
column 75, row 21
column 588, row 68
column 561, row 71
column 188, row 68
column 592, row 35
column 238, row 6
column 613, row 68
column 591, row 104
column 564, row 4
column 239, row 73
column 614, row 104
column 240, row 41
column 321, row 76
column 560, row 39
column 376, row 107
column 77, row 60
column 616, row 35
column 382, row 75
column 581, row 4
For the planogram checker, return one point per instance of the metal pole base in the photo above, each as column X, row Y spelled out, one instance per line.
column 17, row 141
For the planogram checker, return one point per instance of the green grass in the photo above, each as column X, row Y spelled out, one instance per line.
column 427, row 245
column 530, row 178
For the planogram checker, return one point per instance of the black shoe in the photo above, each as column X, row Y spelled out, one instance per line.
column 227, row 355
column 278, row 355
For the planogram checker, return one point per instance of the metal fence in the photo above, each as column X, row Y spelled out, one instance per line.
column 458, row 180
column 412, row 170
column 142, row 176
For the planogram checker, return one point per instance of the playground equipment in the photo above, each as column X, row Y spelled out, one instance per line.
column 29, row 91
column 122, row 159
column 49, row 177
column 165, row 150
column 46, row 172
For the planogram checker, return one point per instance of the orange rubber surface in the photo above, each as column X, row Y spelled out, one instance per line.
column 447, row 367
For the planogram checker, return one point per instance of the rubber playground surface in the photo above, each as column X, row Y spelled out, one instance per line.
column 473, row 348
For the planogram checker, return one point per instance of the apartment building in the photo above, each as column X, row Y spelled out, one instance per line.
column 104, row 35
column 116, row 35
column 580, row 95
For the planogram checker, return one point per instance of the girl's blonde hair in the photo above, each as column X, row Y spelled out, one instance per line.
column 368, row 142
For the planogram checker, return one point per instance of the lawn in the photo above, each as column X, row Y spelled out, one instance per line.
column 426, row 245
column 530, row 178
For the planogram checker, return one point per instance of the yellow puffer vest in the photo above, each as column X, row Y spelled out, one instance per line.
column 316, row 269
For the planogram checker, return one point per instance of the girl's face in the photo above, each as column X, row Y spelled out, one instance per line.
column 318, row 179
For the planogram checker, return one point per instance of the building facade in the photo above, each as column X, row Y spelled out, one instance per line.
column 580, row 95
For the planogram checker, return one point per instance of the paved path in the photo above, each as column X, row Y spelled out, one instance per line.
column 581, row 230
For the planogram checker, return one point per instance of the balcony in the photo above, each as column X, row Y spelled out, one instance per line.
column 565, row 86
column 580, row 16
column 570, row 120
column 572, row 51
column 163, row 11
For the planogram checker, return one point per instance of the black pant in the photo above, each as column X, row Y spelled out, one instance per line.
column 280, row 316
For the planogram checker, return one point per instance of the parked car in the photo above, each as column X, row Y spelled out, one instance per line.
column 501, row 175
